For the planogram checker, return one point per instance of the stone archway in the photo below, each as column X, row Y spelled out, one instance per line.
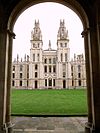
column 20, row 7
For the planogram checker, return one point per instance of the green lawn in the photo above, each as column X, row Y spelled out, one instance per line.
column 48, row 102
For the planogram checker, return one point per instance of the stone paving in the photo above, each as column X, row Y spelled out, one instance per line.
column 49, row 124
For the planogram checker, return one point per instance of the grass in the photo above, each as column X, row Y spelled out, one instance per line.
column 48, row 102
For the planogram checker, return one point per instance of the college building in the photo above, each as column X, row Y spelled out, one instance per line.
column 49, row 68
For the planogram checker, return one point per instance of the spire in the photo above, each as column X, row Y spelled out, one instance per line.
column 62, row 32
column 17, row 57
column 49, row 45
column 25, row 57
column 36, row 32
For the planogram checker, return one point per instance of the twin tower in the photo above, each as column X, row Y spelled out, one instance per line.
column 49, row 69
column 53, row 66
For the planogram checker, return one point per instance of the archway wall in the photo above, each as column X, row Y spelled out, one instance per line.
column 24, row 4
column 10, row 15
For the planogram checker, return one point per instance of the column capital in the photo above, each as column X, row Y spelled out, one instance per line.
column 85, row 32
column 12, row 34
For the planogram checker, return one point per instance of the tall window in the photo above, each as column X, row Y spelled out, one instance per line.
column 50, row 61
column 20, row 82
column 45, row 82
column 13, row 83
column 64, row 67
column 20, row 75
column 13, row 75
column 79, row 75
column 36, row 74
column 45, row 61
column 13, row 68
column 36, row 66
column 45, row 69
column 79, row 82
column 50, row 69
column 64, row 74
column 65, row 44
column 54, row 60
column 21, row 67
column 61, row 44
column 65, row 56
column 53, row 82
column 33, row 57
column 61, row 57
column 54, row 69
column 50, row 82
column 38, row 56
column 79, row 67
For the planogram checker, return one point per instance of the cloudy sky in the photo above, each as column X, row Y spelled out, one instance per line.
column 49, row 15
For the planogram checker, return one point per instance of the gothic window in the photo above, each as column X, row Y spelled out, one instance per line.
column 38, row 57
column 61, row 57
column 65, row 56
column 72, row 82
column 49, row 69
column 79, row 82
column 13, row 68
column 45, row 69
column 33, row 57
column 45, row 82
column 13, row 83
column 20, row 75
column 20, row 82
column 38, row 45
column 36, row 74
column 61, row 45
column 64, row 74
column 79, row 67
column 50, row 82
column 21, row 67
column 72, row 68
column 33, row 45
column 45, row 61
column 54, row 69
column 36, row 66
column 64, row 67
column 79, row 75
column 65, row 44
column 50, row 61
column 27, row 75
column 54, row 60
column 53, row 82
column 13, row 75
column 27, row 68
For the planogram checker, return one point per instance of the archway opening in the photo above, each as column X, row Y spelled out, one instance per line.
column 50, row 68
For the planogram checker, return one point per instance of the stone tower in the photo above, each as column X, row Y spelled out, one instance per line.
column 63, row 56
column 35, row 56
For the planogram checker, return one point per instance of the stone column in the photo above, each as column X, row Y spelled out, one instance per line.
column 95, row 53
column 85, row 34
column 10, row 36
column 3, row 76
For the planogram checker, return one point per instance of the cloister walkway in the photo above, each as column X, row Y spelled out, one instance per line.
column 49, row 124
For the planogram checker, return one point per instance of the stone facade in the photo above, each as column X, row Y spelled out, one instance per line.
column 49, row 69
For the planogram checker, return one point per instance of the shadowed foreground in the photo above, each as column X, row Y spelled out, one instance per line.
column 49, row 124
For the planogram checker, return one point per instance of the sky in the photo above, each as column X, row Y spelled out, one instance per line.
column 49, row 15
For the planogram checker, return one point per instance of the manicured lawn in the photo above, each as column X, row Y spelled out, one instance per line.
column 49, row 102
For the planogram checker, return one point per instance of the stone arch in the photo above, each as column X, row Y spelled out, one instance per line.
column 73, row 4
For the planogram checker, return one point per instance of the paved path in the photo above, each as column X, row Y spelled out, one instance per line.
column 49, row 124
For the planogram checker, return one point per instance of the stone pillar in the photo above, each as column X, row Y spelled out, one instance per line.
column 10, row 36
column 95, row 53
column 3, row 76
column 85, row 34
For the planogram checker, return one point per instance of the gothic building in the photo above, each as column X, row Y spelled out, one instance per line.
column 49, row 69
